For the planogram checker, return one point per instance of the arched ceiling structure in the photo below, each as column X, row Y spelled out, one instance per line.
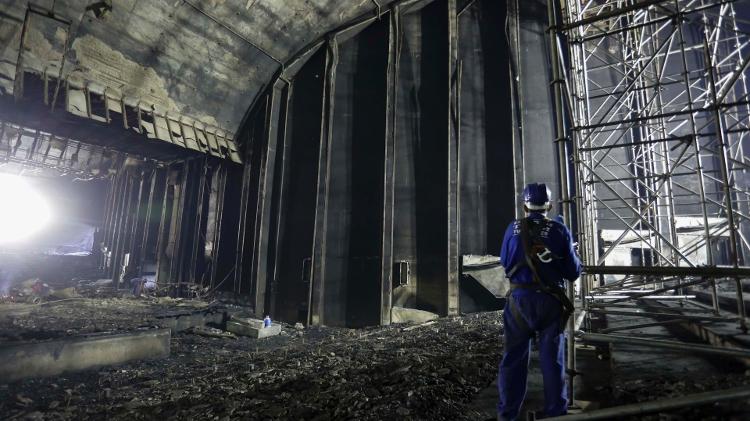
column 201, row 60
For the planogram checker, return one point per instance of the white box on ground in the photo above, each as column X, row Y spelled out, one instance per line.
column 245, row 329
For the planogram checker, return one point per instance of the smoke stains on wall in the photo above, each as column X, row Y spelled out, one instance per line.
column 486, row 146
column 204, row 60
column 392, row 156
column 97, row 61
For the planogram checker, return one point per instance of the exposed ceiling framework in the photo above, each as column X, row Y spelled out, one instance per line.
column 203, row 60
column 28, row 151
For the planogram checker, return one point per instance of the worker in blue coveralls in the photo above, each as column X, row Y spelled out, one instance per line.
column 538, row 255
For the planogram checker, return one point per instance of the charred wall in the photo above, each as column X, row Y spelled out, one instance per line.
column 172, row 220
column 301, row 154
column 381, row 155
column 355, row 198
column 486, row 145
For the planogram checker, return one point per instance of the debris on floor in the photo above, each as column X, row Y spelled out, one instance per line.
column 80, row 316
column 211, row 332
column 326, row 373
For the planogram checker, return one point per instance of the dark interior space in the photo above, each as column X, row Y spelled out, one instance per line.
column 486, row 145
column 296, row 210
column 301, row 151
column 421, row 154
column 354, row 236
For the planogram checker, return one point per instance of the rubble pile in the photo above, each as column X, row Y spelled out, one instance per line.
column 672, row 386
column 35, row 291
column 423, row 371
column 78, row 316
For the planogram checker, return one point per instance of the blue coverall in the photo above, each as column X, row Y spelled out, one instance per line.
column 542, row 313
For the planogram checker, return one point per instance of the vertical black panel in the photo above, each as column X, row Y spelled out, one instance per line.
column 167, row 209
column 389, row 154
column 215, row 217
column 266, row 162
column 200, row 274
column 175, row 231
column 225, row 258
column 254, row 159
column 318, row 283
column 355, row 201
column 123, row 232
column 276, row 200
column 133, row 244
column 422, row 127
column 291, row 289
column 153, row 218
column 537, row 117
column 431, row 160
column 189, row 223
column 486, row 159
column 407, row 136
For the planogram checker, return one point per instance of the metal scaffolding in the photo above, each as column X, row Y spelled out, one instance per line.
column 653, row 116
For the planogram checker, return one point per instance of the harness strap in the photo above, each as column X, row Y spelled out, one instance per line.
column 509, row 273
column 553, row 290
column 517, row 316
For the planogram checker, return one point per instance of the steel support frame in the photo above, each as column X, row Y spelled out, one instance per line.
column 656, row 97
column 638, row 118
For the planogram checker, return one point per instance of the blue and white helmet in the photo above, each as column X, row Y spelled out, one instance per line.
column 536, row 196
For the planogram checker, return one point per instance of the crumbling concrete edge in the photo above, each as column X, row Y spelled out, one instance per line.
column 44, row 359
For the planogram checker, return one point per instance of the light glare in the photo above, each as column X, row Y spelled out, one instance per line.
column 22, row 211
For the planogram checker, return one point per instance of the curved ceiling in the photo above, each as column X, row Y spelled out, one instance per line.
column 201, row 59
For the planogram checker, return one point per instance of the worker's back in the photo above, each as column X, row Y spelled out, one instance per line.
column 556, row 260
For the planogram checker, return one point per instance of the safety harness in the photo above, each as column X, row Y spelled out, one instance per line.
column 533, row 248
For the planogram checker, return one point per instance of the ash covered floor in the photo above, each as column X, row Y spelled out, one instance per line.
column 442, row 370
column 421, row 372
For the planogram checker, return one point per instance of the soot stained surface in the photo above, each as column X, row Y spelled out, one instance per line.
column 428, row 372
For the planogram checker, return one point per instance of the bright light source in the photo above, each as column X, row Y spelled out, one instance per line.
column 22, row 211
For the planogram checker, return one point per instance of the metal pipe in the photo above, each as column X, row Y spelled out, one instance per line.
column 659, row 343
column 678, row 286
column 701, row 310
column 667, row 315
column 698, row 161
column 640, row 408
column 641, row 325
column 561, row 141
column 726, row 184
column 699, row 271
column 655, row 297
column 659, row 116
column 612, row 13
